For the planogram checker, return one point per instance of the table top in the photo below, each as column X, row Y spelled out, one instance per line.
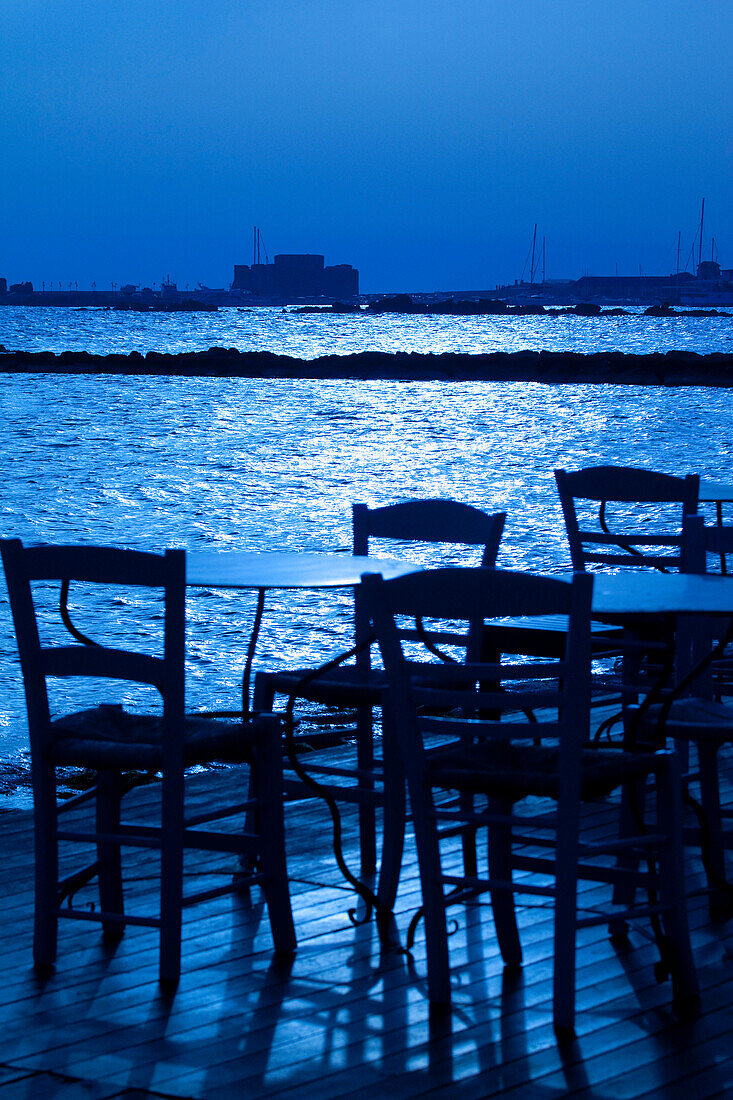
column 251, row 569
column 715, row 490
column 614, row 594
column 628, row 593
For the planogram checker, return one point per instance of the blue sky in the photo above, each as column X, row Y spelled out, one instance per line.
column 419, row 141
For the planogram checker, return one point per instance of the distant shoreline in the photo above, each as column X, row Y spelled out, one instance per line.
column 673, row 368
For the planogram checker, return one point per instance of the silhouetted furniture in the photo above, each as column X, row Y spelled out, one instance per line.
column 645, row 496
column 358, row 685
column 718, row 493
column 623, row 517
column 696, row 714
column 293, row 570
column 481, row 722
column 114, row 742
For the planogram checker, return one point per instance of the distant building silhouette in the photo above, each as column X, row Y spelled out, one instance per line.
column 297, row 276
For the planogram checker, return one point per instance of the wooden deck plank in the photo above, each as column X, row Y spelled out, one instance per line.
column 342, row 1021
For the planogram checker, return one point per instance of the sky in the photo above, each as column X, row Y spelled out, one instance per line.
column 418, row 141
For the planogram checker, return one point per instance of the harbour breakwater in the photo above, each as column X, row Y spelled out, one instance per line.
column 672, row 368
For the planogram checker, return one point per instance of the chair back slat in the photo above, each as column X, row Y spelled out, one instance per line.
column 98, row 565
column 430, row 520
column 103, row 663
column 475, row 671
column 467, row 593
column 649, row 561
column 640, row 538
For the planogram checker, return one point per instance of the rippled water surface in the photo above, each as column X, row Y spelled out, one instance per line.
column 307, row 336
column 223, row 464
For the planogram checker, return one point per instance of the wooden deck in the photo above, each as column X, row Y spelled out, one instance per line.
column 343, row 1019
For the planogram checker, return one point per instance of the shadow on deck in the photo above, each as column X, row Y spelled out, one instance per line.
column 343, row 1019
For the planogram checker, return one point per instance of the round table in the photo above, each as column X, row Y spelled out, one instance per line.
column 291, row 569
column 282, row 569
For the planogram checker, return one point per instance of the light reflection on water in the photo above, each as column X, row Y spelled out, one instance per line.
column 306, row 336
column 216, row 463
column 275, row 465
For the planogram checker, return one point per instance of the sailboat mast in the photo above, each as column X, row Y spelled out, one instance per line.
column 534, row 242
column 702, row 219
column 544, row 276
column 679, row 239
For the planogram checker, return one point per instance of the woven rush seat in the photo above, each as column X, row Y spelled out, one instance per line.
column 514, row 771
column 110, row 736
column 698, row 717
column 360, row 686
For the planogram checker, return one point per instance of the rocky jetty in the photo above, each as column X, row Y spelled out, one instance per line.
column 187, row 305
column 673, row 368
column 495, row 307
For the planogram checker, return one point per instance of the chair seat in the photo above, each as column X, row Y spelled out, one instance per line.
column 515, row 771
column 345, row 686
column 695, row 717
column 108, row 736
column 545, row 634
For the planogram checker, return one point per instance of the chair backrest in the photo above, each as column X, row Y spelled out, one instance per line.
column 635, row 539
column 705, row 545
column 429, row 520
column 705, row 548
column 27, row 567
column 544, row 698
column 432, row 521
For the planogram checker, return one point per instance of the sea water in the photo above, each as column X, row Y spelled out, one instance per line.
column 309, row 335
column 225, row 464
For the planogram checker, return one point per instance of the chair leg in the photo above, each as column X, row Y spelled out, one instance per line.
column 108, row 853
column 631, row 817
column 707, row 755
column 502, row 899
column 566, row 912
column 672, row 888
column 267, row 782
column 46, row 869
column 468, row 837
column 393, row 840
column 263, row 702
column 263, row 697
column 431, row 886
column 630, row 676
column 171, row 879
column 367, row 815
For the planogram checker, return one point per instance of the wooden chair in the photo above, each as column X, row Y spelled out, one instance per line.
column 481, row 722
column 700, row 712
column 624, row 517
column 645, row 497
column 112, row 742
column 359, row 686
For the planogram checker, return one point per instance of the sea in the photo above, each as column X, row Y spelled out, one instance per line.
column 248, row 464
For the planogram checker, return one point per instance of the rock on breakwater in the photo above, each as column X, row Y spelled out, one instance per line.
column 672, row 368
